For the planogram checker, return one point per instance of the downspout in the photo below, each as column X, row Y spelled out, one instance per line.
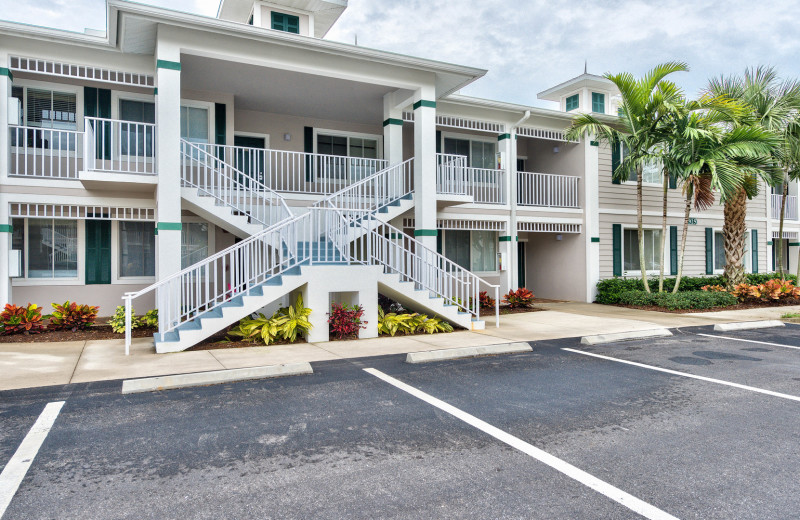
column 512, row 195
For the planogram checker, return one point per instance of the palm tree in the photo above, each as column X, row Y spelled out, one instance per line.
column 707, row 158
column 772, row 107
column 639, row 127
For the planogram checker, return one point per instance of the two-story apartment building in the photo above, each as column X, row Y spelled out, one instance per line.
column 211, row 166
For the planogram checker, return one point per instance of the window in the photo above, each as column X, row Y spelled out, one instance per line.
column 47, row 109
column 651, row 173
column 785, row 254
column 137, row 249
column 194, row 124
column 194, row 243
column 598, row 103
column 480, row 154
column 473, row 250
column 137, row 139
column 49, row 245
column 346, row 146
column 285, row 22
column 652, row 249
column 719, row 251
column 573, row 102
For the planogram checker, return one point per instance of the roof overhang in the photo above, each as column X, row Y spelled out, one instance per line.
column 577, row 83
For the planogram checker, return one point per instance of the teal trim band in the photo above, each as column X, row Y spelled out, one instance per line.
column 155, row 91
column 155, row 231
column 6, row 72
column 594, row 143
column 503, row 137
column 169, row 226
column 169, row 65
column 794, row 244
column 769, row 243
column 426, row 232
column 595, row 240
column 392, row 121
column 504, row 239
column 6, row 228
column 395, row 235
column 424, row 103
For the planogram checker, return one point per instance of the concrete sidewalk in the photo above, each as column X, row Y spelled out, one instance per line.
column 25, row 365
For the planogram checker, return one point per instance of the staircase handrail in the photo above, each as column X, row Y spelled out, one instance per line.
column 166, row 321
column 397, row 189
column 256, row 194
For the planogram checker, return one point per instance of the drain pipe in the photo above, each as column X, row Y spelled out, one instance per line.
column 514, row 257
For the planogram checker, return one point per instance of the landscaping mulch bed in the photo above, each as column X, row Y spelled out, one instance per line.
column 95, row 332
column 507, row 310
column 737, row 307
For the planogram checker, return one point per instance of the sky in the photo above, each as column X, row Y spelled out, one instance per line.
column 535, row 44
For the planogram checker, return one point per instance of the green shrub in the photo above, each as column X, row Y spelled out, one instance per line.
column 72, row 316
column 287, row 323
column 117, row 321
column 26, row 319
column 682, row 300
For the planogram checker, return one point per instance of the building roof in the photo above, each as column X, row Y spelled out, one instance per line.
column 585, row 80
column 326, row 12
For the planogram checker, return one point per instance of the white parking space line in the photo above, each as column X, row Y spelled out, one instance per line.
column 604, row 488
column 748, row 341
column 686, row 374
column 18, row 465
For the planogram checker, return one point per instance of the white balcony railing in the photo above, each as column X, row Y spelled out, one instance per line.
column 486, row 186
column 544, row 189
column 112, row 145
column 297, row 172
column 791, row 207
column 451, row 176
column 45, row 152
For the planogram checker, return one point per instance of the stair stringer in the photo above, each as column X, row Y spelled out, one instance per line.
column 421, row 300
column 210, row 322
column 219, row 215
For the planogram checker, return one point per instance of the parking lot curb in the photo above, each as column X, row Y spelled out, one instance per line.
column 599, row 339
column 466, row 352
column 150, row 384
column 747, row 325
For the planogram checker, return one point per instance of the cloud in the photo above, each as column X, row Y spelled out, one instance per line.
column 530, row 45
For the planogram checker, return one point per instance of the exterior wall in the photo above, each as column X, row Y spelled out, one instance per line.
column 554, row 268
column 108, row 297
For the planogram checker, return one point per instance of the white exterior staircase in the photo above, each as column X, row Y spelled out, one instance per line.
column 344, row 228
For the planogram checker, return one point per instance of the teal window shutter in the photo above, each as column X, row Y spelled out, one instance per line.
column 616, row 248
column 97, row 103
column 98, row 252
column 598, row 103
column 673, row 181
column 438, row 141
column 220, row 136
column 754, row 247
column 709, row 250
column 308, row 147
column 673, row 250
column 285, row 22
column 573, row 102
column 615, row 157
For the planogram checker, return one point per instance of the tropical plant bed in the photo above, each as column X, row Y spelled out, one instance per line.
column 219, row 341
column 94, row 332
column 505, row 309
column 736, row 307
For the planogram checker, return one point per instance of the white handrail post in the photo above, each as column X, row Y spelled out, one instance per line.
column 497, row 306
column 128, row 324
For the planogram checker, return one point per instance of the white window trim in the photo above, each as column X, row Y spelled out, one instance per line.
column 116, row 278
column 116, row 97
column 341, row 133
column 664, row 252
column 480, row 273
column 53, row 87
column 208, row 106
column 79, row 280
column 471, row 138
column 714, row 232
column 633, row 183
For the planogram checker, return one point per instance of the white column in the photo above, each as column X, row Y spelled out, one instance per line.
column 508, row 148
column 5, row 221
column 392, row 129
column 168, row 164
column 425, row 167
column 591, row 215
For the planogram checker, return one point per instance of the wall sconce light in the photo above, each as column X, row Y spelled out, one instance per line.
column 555, row 149
column 287, row 137
column 559, row 237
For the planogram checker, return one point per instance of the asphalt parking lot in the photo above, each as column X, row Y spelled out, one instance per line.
column 692, row 426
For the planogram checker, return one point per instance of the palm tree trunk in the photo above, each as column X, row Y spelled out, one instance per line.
column 640, row 224
column 665, row 182
column 780, row 230
column 733, row 232
column 686, row 212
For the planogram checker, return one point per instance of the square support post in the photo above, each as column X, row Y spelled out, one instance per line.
column 392, row 129
column 591, row 215
column 425, row 167
column 507, row 144
column 5, row 222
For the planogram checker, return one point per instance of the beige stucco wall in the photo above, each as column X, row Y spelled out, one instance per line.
column 556, row 268
column 108, row 297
